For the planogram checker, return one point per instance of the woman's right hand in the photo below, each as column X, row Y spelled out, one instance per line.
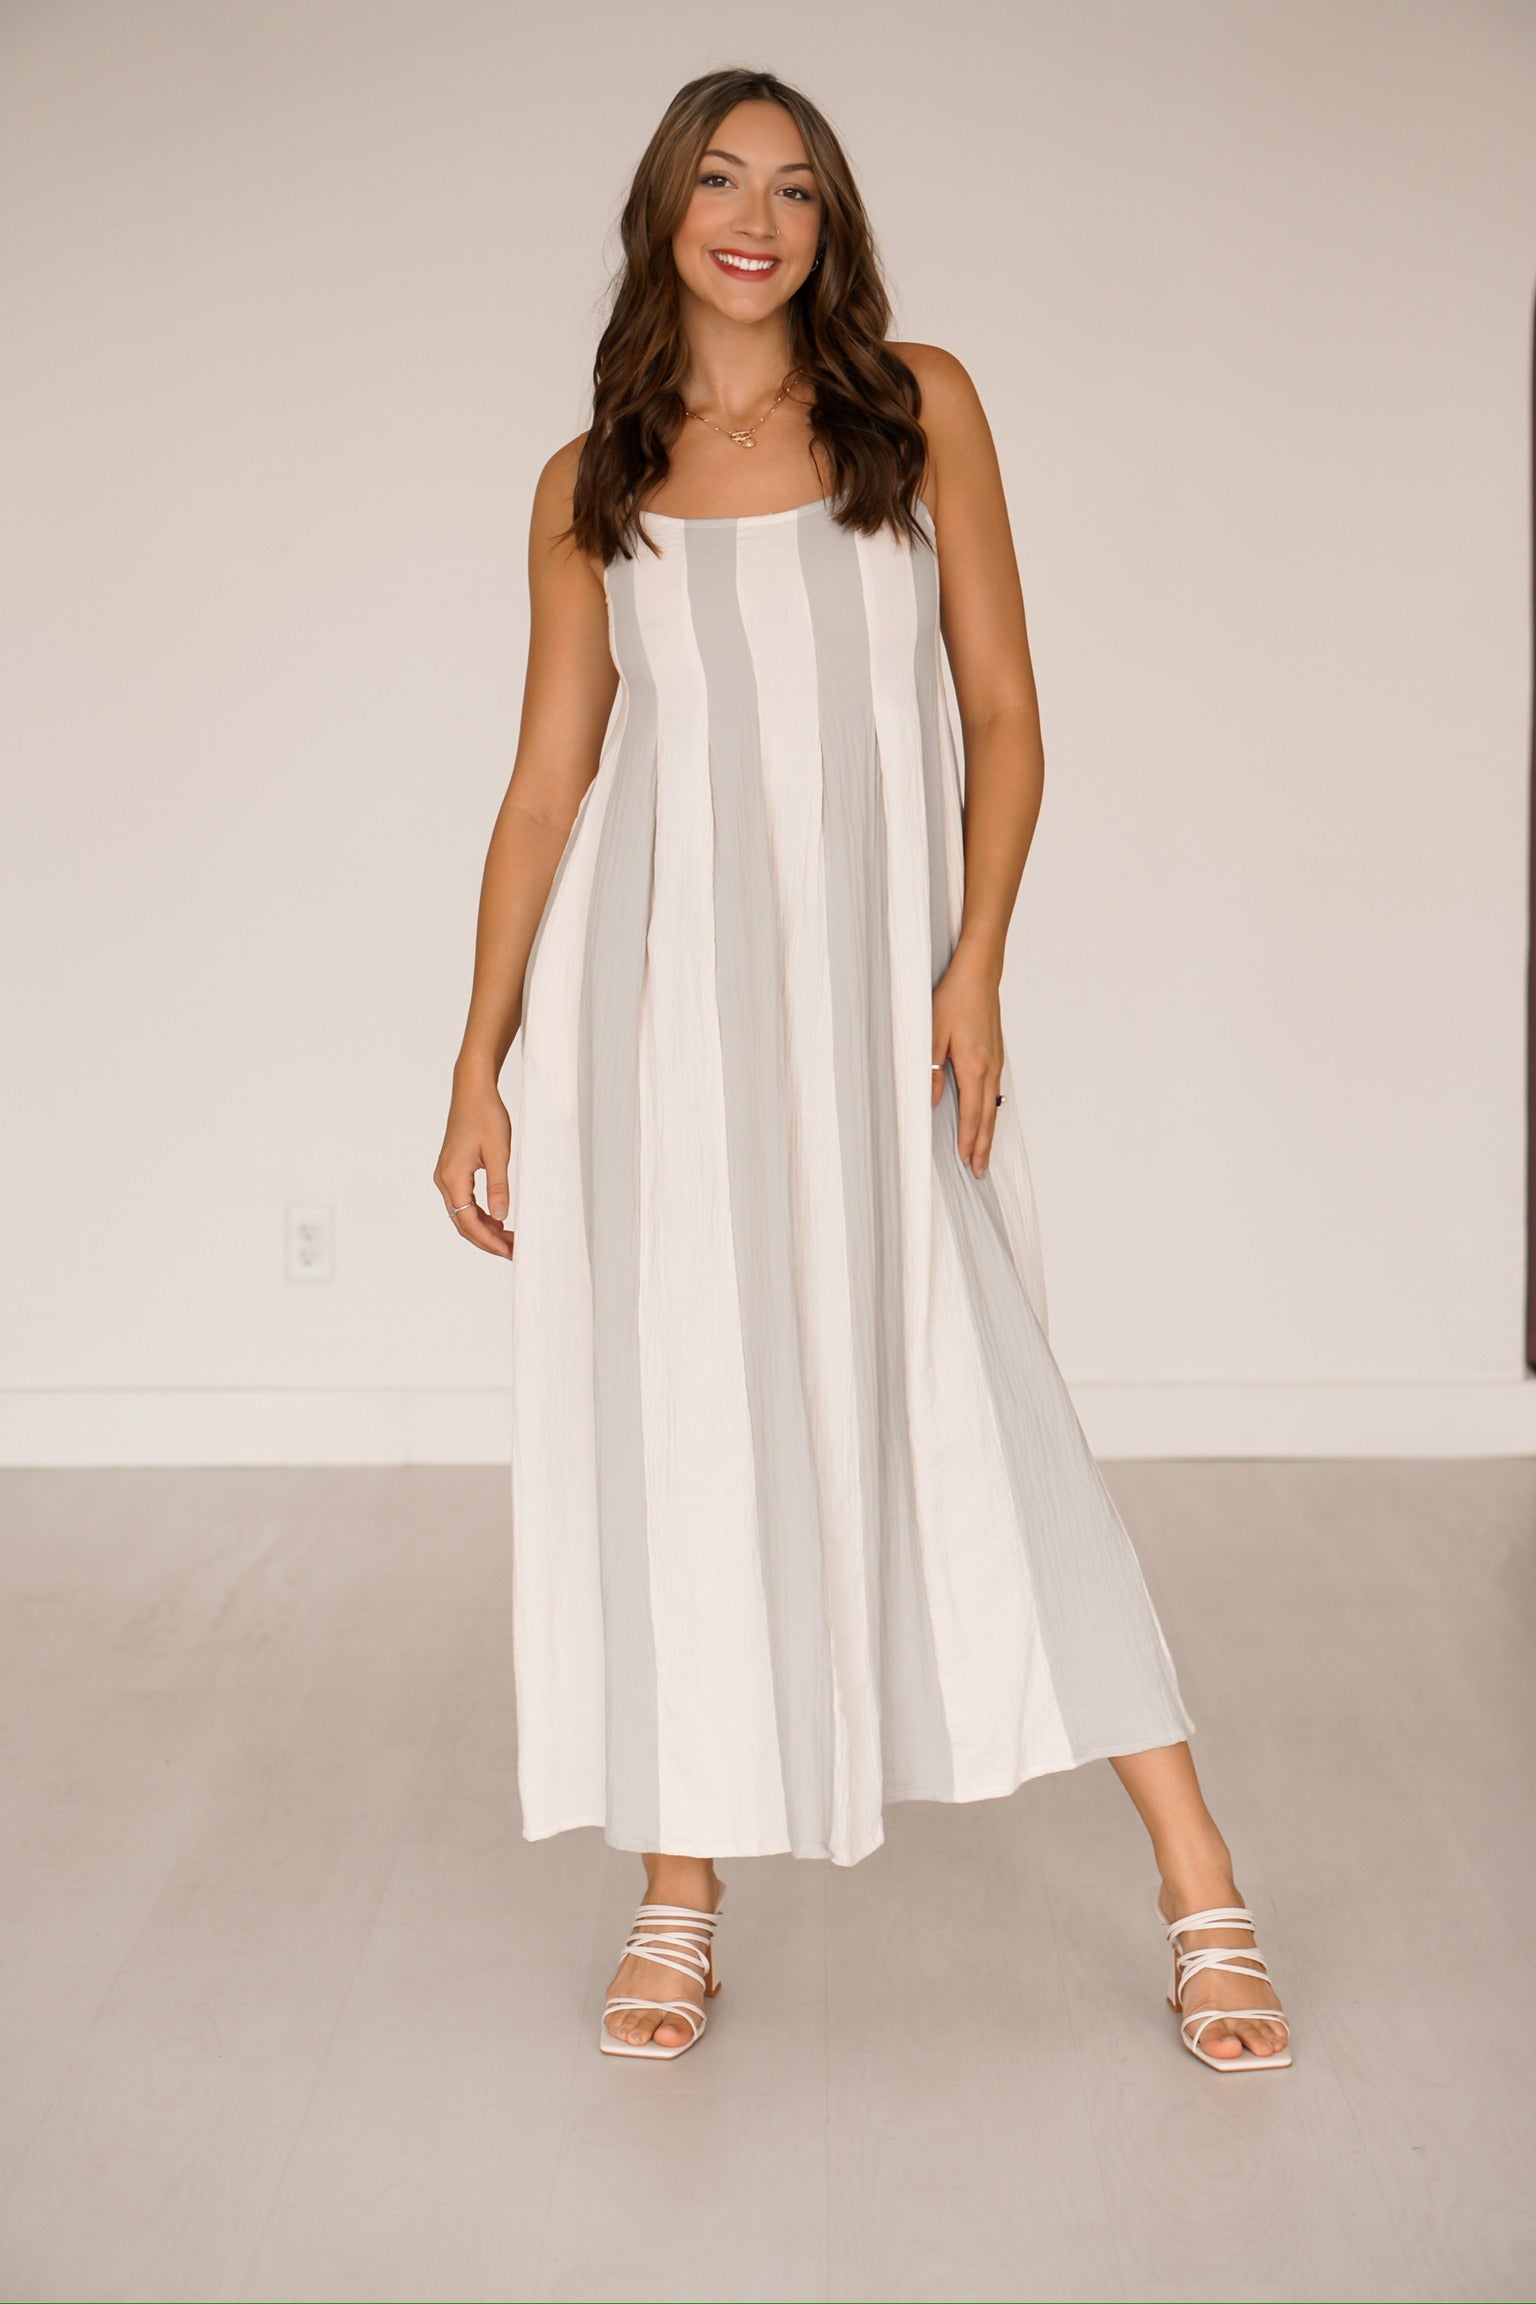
column 478, row 1135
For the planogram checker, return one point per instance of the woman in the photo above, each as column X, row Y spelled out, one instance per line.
column 803, row 1520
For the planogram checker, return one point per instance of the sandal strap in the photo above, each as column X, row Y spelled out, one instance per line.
column 679, row 1912
column 673, row 1936
column 1219, row 1916
column 1233, row 1959
column 689, row 1962
column 668, row 1932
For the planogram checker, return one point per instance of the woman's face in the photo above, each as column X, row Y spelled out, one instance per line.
column 749, row 233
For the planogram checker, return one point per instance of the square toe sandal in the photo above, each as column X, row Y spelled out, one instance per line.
column 1238, row 1960
column 674, row 1936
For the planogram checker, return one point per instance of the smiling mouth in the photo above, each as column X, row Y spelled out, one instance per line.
column 744, row 267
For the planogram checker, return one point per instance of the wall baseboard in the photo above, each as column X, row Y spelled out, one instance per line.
column 101, row 1428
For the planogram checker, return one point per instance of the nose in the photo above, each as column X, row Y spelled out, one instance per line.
column 757, row 219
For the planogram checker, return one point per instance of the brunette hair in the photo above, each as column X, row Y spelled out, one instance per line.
column 867, row 400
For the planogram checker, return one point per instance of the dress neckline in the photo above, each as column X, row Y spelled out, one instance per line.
column 732, row 519
column 751, row 519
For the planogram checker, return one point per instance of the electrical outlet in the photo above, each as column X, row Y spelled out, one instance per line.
column 311, row 1251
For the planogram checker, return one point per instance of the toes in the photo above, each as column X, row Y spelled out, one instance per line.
column 1261, row 2036
column 1265, row 2039
column 635, row 2026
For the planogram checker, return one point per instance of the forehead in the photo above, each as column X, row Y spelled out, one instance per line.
column 760, row 133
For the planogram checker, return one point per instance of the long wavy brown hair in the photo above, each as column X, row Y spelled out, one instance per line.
column 867, row 402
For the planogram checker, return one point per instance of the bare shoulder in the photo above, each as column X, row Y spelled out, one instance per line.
column 959, row 438
column 950, row 398
column 555, row 488
column 550, row 545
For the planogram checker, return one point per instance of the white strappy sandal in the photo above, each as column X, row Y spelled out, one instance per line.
column 1238, row 1960
column 674, row 1936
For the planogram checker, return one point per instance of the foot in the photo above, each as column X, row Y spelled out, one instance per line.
column 1201, row 1890
column 686, row 1882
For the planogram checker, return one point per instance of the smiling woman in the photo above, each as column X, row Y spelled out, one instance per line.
column 747, row 251
column 803, row 1519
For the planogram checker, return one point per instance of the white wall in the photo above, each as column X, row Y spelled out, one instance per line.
column 298, row 296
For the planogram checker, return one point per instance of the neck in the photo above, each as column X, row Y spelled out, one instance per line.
column 733, row 370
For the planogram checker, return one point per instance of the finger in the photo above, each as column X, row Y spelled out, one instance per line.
column 969, row 1080
column 987, row 1127
column 483, row 1231
column 496, row 1160
column 458, row 1192
column 470, row 1220
column 939, row 1052
column 493, row 1237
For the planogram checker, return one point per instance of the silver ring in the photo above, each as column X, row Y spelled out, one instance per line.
column 460, row 1211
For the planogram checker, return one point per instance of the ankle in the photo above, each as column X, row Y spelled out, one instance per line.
column 690, row 1880
column 1199, row 1868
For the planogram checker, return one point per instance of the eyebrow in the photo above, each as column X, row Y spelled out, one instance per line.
column 714, row 153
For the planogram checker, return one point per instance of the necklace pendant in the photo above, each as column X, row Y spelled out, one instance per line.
column 743, row 439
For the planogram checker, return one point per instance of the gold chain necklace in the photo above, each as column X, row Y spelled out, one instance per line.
column 744, row 438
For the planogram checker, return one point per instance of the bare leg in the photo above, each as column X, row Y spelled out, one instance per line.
column 689, row 1880
column 1196, row 1869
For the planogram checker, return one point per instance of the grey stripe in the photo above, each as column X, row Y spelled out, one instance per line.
column 916, row 1753
column 1114, row 1687
column 749, row 982
column 608, row 1098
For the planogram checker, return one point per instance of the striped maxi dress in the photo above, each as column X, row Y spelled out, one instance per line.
column 803, row 1520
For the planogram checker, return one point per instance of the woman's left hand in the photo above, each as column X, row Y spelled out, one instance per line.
column 968, row 1032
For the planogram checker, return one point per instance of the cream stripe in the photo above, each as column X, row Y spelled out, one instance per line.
column 557, row 1621
column 719, row 1754
column 940, row 801
column 890, row 610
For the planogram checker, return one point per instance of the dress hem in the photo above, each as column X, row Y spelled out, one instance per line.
column 1116, row 1751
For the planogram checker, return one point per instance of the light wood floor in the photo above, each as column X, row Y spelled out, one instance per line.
column 289, row 2009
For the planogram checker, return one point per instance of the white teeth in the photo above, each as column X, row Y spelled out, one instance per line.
column 744, row 263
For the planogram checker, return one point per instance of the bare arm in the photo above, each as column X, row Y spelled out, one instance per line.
column 568, row 694
column 985, row 637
